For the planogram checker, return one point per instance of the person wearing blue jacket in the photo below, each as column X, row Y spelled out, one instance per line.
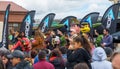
column 107, row 40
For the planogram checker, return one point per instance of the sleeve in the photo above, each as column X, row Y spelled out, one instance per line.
column 26, row 41
column 16, row 45
column 98, row 40
column 72, row 55
column 110, row 40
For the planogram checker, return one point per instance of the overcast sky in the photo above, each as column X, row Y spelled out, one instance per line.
column 63, row 8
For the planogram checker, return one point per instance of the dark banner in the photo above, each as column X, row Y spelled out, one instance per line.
column 109, row 19
column 4, row 42
column 27, row 24
column 66, row 21
column 91, row 18
column 46, row 22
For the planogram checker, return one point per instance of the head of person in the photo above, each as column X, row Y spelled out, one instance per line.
column 22, row 34
column 12, row 31
column 99, row 54
column 81, row 41
column 33, row 53
column 19, row 37
column 72, row 31
column 16, row 57
column 63, row 50
column 81, row 66
column 55, row 53
column 106, row 31
column 42, row 55
column 3, row 54
column 108, row 51
column 115, row 59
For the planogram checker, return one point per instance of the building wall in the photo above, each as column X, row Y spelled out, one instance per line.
column 15, row 19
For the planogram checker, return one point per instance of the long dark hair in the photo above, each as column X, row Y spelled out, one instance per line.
column 84, row 42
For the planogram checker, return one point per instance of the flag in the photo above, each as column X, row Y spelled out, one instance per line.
column 27, row 24
column 4, row 42
column 46, row 22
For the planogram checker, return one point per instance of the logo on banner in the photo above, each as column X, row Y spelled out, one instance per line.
column 27, row 26
column 67, row 24
column 45, row 24
column 110, row 17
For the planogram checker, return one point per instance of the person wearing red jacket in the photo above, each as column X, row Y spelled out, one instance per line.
column 22, row 44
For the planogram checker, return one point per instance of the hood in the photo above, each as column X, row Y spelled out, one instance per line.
column 99, row 54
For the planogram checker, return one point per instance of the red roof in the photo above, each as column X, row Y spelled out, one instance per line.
column 14, row 7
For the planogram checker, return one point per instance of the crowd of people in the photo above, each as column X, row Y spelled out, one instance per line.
column 57, row 50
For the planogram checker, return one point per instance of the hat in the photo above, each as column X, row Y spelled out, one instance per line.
column 17, row 54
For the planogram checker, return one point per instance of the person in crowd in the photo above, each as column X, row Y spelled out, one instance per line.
column 18, row 62
column 48, row 40
column 61, row 37
column 6, row 61
column 63, row 51
column 89, row 37
column 99, row 59
column 38, row 42
column 56, row 59
column 107, row 40
column 108, row 52
column 22, row 44
column 43, row 64
column 55, row 39
column 99, row 38
column 1, row 64
column 33, row 56
column 11, row 36
column 115, row 59
column 36, row 59
column 81, row 66
column 79, row 52
column 73, row 32
column 67, row 41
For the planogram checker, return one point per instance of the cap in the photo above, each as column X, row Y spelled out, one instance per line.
column 16, row 54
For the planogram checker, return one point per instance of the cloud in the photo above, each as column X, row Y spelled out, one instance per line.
column 63, row 8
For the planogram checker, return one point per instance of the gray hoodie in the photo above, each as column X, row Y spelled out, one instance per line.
column 99, row 59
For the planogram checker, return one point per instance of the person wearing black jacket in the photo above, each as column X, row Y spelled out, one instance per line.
column 78, row 52
column 18, row 61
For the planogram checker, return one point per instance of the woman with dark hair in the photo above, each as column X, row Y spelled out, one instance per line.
column 56, row 59
column 3, row 55
column 79, row 52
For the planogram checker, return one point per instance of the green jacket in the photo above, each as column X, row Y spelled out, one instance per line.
column 98, row 40
column 62, row 41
